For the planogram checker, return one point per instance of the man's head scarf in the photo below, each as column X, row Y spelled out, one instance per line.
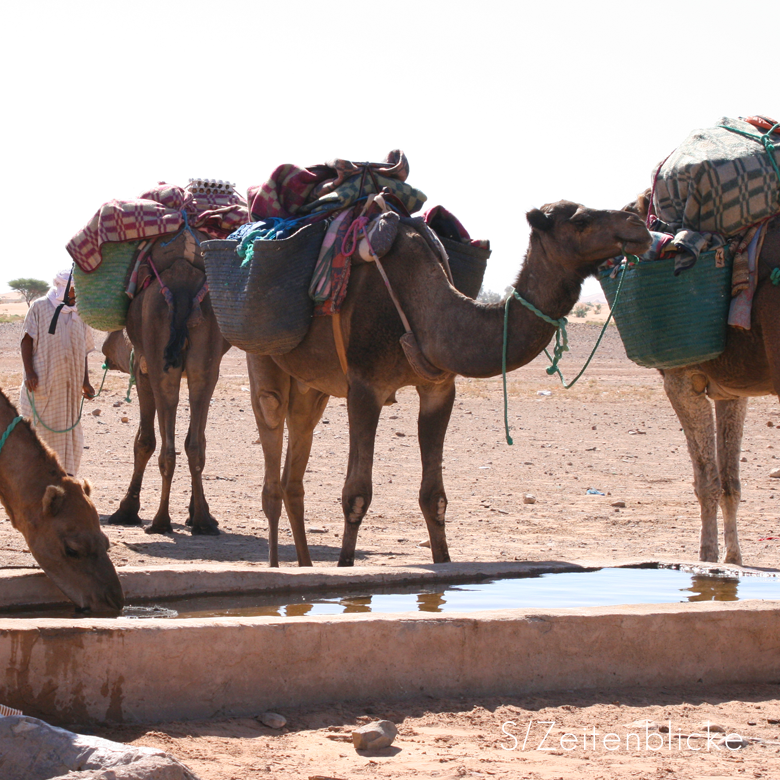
column 56, row 292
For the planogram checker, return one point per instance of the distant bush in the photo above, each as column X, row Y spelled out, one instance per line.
column 580, row 311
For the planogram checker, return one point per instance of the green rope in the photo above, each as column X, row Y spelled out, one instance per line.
column 774, row 277
column 764, row 139
column 36, row 416
column 131, row 382
column 8, row 430
column 561, row 343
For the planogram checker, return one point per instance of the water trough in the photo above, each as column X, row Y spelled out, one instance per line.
column 86, row 670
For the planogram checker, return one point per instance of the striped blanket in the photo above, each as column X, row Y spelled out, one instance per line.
column 163, row 209
column 720, row 180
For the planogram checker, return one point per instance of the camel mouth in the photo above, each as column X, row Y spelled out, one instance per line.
column 631, row 247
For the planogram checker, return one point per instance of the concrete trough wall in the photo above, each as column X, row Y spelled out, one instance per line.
column 149, row 671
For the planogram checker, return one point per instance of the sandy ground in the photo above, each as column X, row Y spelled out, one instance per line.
column 614, row 431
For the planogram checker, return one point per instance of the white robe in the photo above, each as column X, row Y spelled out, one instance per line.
column 58, row 360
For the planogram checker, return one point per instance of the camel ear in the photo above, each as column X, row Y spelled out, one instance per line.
column 52, row 500
column 87, row 487
column 538, row 220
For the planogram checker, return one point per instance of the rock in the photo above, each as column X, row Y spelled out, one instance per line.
column 117, row 403
column 425, row 543
column 529, row 498
column 125, row 419
column 775, row 474
column 619, row 504
column 734, row 742
column 374, row 736
column 770, row 424
column 400, row 433
column 714, row 728
column 96, row 412
column 31, row 749
column 273, row 720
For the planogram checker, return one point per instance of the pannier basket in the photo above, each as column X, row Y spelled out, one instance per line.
column 264, row 306
column 667, row 321
column 101, row 300
column 468, row 264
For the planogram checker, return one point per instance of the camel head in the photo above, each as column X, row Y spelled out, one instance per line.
column 64, row 536
column 579, row 238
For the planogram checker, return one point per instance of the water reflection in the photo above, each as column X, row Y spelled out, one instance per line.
column 298, row 610
column 354, row 604
column 704, row 588
column 431, row 602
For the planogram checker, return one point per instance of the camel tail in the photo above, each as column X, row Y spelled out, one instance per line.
column 180, row 306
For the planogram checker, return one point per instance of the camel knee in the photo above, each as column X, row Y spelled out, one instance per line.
column 196, row 454
column 167, row 461
column 434, row 507
column 355, row 508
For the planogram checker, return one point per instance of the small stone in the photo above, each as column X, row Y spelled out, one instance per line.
column 734, row 742
column 400, row 433
column 775, row 473
column 714, row 728
column 374, row 736
column 649, row 725
column 117, row 403
column 743, row 460
column 770, row 424
column 125, row 419
column 529, row 498
column 426, row 543
column 619, row 504
column 273, row 720
column 96, row 412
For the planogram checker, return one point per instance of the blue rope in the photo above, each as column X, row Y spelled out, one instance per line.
column 774, row 277
column 8, row 430
column 186, row 226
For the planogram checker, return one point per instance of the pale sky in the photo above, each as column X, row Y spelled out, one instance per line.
column 500, row 106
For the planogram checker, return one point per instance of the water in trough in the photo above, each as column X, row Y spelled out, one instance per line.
column 603, row 587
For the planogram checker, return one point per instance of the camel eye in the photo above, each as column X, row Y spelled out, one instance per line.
column 70, row 552
column 580, row 221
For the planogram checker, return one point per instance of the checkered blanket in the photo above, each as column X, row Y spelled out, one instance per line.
column 295, row 191
column 163, row 209
column 719, row 180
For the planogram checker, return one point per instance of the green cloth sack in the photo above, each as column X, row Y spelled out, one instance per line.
column 668, row 321
column 101, row 300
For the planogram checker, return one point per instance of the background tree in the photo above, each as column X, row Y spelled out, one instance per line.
column 29, row 288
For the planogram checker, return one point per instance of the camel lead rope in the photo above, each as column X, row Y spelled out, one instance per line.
column 561, row 339
column 7, row 433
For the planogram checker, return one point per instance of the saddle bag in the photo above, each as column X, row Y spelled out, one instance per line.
column 264, row 306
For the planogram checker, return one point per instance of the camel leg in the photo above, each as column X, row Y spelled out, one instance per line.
column 363, row 408
column 200, row 390
column 270, row 391
column 730, row 416
column 435, row 409
column 304, row 412
column 167, row 400
column 143, row 447
column 694, row 411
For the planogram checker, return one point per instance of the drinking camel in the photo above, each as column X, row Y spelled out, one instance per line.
column 56, row 516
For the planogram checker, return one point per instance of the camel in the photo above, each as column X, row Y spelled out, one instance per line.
column 456, row 335
column 170, row 342
column 56, row 516
column 749, row 367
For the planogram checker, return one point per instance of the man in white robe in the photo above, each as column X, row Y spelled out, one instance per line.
column 56, row 374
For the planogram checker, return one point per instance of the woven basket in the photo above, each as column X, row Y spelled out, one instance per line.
column 264, row 307
column 468, row 264
column 100, row 295
column 667, row 321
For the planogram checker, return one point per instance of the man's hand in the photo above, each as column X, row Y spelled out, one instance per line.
column 87, row 390
column 31, row 381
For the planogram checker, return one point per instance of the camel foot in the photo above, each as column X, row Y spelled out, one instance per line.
column 159, row 528
column 207, row 528
column 733, row 558
column 350, row 561
column 125, row 517
column 708, row 555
